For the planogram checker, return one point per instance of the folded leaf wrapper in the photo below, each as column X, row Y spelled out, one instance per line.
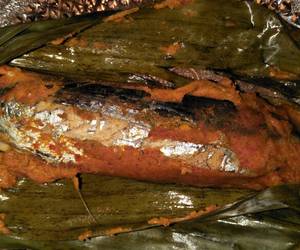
column 38, row 216
column 232, row 37
column 227, row 36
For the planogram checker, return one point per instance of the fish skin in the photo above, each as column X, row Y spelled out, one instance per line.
column 22, row 11
column 116, row 119
column 123, row 132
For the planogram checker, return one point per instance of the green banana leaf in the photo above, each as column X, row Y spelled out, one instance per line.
column 113, row 202
column 222, row 35
column 52, row 216
column 19, row 39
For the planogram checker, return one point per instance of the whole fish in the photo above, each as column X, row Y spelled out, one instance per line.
column 162, row 135
column 22, row 11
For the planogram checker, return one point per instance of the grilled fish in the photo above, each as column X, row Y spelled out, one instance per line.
column 162, row 135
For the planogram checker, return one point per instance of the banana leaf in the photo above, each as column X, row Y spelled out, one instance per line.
column 52, row 216
column 222, row 35
column 113, row 202
column 19, row 39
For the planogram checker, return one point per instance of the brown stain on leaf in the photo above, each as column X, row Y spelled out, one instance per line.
column 164, row 221
column 99, row 45
column 77, row 42
column 120, row 15
column 171, row 49
column 190, row 13
column 117, row 230
column 85, row 235
column 3, row 228
column 282, row 75
column 61, row 40
column 172, row 4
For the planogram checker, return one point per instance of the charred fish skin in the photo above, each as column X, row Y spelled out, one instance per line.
column 22, row 11
column 117, row 119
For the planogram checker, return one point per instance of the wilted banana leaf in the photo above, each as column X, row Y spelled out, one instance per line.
column 54, row 211
column 211, row 34
column 242, row 232
column 271, row 199
column 246, row 39
column 48, row 216
column 8, row 33
column 20, row 39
